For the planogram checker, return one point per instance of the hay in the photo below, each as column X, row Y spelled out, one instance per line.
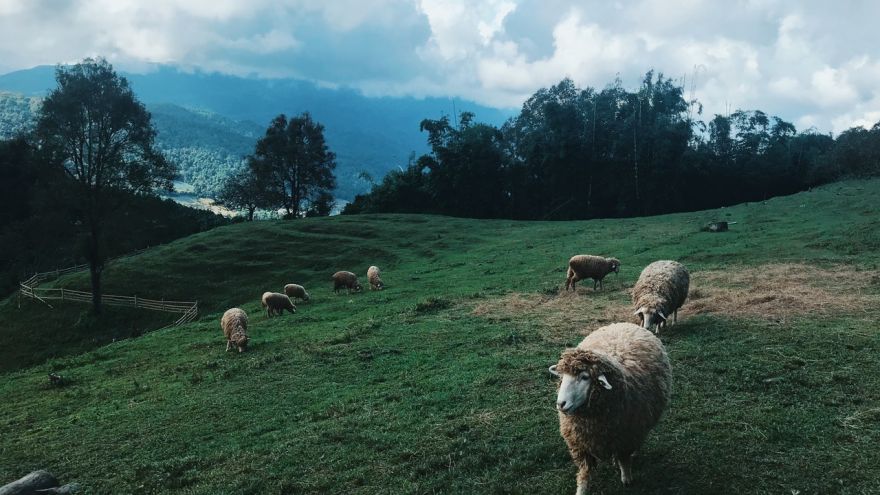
column 782, row 291
column 564, row 313
column 774, row 292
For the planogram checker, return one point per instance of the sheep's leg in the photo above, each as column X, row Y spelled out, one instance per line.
column 228, row 344
column 583, row 476
column 625, row 464
column 675, row 317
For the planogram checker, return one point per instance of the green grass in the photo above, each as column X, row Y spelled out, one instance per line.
column 409, row 390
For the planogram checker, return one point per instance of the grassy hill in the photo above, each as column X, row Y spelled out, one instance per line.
column 439, row 384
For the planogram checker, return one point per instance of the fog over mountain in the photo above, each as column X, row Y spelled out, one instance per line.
column 208, row 121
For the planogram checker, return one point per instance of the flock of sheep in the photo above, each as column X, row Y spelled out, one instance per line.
column 615, row 384
column 234, row 321
column 617, row 381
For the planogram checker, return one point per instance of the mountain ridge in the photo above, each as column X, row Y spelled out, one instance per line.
column 372, row 134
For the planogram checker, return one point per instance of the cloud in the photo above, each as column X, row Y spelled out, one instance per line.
column 807, row 62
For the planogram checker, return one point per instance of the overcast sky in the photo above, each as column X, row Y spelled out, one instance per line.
column 815, row 63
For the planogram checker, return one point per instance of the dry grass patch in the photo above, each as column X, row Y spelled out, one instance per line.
column 564, row 313
column 775, row 292
column 782, row 291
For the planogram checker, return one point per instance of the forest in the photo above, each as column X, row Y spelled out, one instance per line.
column 39, row 226
column 580, row 153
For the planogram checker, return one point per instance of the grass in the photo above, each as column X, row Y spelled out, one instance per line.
column 438, row 384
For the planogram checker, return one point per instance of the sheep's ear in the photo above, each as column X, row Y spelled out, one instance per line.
column 661, row 315
column 553, row 371
column 604, row 381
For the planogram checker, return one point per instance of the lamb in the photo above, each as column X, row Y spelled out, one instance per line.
column 373, row 277
column 615, row 385
column 276, row 303
column 234, row 324
column 587, row 266
column 296, row 291
column 347, row 280
column 661, row 289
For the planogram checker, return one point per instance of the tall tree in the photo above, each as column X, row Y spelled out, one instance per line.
column 94, row 129
column 243, row 191
column 294, row 163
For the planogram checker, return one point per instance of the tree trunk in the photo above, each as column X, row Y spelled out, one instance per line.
column 38, row 480
column 96, row 265
column 251, row 214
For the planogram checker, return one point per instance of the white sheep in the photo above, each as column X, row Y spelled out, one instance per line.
column 234, row 324
column 374, row 279
column 276, row 303
column 661, row 289
column 585, row 266
column 615, row 385
column 296, row 291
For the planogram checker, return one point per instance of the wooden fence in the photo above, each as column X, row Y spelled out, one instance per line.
column 189, row 309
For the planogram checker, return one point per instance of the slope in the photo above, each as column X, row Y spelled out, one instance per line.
column 439, row 383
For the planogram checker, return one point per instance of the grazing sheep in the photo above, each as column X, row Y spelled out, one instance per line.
column 234, row 324
column 296, row 291
column 585, row 266
column 373, row 277
column 661, row 289
column 347, row 280
column 615, row 385
column 276, row 303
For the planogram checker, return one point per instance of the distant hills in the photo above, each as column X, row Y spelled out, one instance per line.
column 207, row 121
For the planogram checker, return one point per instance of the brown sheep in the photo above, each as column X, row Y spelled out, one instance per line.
column 347, row 280
column 374, row 279
column 585, row 266
column 615, row 385
column 234, row 324
column 661, row 289
column 276, row 303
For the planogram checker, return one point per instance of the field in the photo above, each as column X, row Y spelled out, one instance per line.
column 439, row 383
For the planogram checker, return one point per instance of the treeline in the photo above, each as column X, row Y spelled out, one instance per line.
column 575, row 153
column 41, row 225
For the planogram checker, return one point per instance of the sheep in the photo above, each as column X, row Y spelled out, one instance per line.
column 297, row 291
column 615, row 385
column 373, row 277
column 346, row 279
column 276, row 303
column 587, row 266
column 234, row 324
column 661, row 289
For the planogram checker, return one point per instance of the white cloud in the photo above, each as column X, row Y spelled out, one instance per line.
column 806, row 62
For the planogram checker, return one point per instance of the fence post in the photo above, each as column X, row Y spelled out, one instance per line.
column 135, row 300
column 62, row 293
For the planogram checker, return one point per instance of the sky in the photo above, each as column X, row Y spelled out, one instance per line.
column 814, row 63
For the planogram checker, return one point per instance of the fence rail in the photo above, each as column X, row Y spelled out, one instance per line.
column 28, row 289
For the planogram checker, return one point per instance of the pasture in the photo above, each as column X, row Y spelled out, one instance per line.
column 439, row 383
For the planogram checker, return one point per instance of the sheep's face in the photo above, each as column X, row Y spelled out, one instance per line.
column 579, row 384
column 240, row 339
column 615, row 265
column 357, row 287
column 651, row 318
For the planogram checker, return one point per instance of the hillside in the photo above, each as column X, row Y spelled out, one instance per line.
column 439, row 384
column 367, row 134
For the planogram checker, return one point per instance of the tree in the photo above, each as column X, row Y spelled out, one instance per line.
column 242, row 191
column 293, row 163
column 96, row 131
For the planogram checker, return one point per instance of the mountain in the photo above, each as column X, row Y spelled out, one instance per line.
column 367, row 134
